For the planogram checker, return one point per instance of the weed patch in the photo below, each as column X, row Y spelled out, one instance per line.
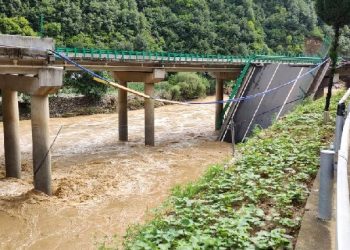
column 256, row 203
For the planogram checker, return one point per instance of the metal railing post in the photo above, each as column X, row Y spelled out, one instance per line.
column 325, row 197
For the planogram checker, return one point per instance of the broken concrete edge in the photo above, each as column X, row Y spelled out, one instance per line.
column 27, row 42
column 15, row 46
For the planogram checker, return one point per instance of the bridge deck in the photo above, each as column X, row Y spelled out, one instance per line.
column 27, row 60
column 114, row 60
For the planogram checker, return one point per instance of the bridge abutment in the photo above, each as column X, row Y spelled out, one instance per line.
column 11, row 133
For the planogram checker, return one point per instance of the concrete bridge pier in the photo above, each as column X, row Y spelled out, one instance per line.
column 48, row 81
column 39, row 83
column 41, row 145
column 149, row 79
column 37, row 79
column 11, row 133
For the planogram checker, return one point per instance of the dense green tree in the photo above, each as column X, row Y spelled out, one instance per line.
column 11, row 8
column 344, row 42
column 201, row 26
column 336, row 14
column 238, row 27
column 16, row 26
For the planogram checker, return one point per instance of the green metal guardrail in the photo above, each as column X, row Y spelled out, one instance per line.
column 121, row 55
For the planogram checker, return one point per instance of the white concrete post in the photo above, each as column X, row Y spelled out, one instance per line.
column 11, row 133
column 325, row 196
column 40, row 133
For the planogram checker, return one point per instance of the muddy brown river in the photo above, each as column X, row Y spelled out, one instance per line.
column 102, row 186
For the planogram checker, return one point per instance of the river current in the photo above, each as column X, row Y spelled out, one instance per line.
column 102, row 186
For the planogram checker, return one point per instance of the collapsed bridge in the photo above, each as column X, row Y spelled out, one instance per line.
column 269, row 91
column 28, row 66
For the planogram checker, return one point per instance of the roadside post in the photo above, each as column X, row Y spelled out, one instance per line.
column 325, row 201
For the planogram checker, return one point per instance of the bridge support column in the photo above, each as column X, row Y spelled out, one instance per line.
column 149, row 79
column 219, row 106
column 123, row 112
column 40, row 135
column 149, row 115
column 221, row 77
column 11, row 133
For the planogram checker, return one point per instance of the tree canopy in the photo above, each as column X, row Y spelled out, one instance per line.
column 334, row 12
column 16, row 26
column 202, row 26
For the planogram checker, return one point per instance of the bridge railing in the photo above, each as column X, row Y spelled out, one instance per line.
column 342, row 187
column 336, row 160
column 169, row 57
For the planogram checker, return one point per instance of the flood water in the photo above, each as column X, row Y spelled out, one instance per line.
column 102, row 186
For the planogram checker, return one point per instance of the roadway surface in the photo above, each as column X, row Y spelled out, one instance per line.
column 262, row 110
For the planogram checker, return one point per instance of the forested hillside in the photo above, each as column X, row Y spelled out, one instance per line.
column 203, row 26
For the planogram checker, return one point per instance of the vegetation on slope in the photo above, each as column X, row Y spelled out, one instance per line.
column 238, row 27
column 196, row 26
column 255, row 203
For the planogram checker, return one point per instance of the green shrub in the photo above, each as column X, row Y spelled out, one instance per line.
column 185, row 86
column 16, row 26
column 175, row 92
column 83, row 83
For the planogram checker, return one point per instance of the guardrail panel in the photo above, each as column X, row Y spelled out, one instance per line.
column 187, row 57
column 342, row 190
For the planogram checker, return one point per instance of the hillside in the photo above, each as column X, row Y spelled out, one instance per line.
column 212, row 26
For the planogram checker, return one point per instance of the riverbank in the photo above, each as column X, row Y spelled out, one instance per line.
column 255, row 203
column 76, row 105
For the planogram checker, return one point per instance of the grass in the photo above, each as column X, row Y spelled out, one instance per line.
column 256, row 203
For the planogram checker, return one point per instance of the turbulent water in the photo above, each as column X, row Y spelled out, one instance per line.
column 102, row 186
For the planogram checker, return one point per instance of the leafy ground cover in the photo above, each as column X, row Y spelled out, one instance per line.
column 254, row 203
